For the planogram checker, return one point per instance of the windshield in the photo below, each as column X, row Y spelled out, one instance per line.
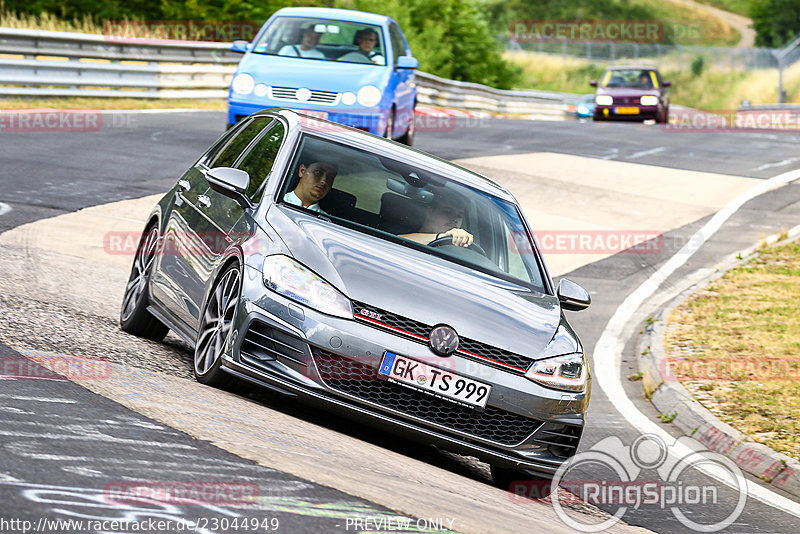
column 323, row 40
column 413, row 207
column 641, row 78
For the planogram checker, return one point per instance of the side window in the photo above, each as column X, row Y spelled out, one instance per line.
column 258, row 161
column 222, row 142
column 398, row 43
column 230, row 153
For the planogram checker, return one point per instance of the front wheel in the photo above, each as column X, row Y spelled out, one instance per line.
column 216, row 326
column 408, row 137
column 134, row 317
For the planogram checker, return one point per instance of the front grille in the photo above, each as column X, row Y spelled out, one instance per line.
column 417, row 331
column 289, row 94
column 561, row 440
column 264, row 343
column 361, row 380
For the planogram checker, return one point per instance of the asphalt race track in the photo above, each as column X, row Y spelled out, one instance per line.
column 63, row 443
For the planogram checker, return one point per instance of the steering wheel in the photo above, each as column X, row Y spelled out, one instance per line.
column 448, row 240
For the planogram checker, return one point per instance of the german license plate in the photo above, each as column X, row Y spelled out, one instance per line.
column 434, row 381
column 627, row 111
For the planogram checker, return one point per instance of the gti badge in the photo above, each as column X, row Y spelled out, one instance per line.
column 371, row 314
column 443, row 340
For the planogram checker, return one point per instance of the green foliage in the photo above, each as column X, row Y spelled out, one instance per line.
column 698, row 64
column 450, row 38
column 776, row 21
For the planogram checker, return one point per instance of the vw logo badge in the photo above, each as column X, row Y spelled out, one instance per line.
column 443, row 340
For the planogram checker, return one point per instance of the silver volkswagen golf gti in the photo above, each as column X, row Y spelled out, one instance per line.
column 384, row 283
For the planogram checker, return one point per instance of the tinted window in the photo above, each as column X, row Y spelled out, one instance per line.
column 230, row 153
column 411, row 206
column 258, row 162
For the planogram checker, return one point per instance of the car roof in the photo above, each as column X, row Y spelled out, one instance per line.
column 351, row 136
column 333, row 14
column 632, row 67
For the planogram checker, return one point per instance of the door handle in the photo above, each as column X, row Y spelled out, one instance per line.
column 203, row 201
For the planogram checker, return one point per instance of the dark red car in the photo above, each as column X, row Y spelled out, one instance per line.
column 631, row 93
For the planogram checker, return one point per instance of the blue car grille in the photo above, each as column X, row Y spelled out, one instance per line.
column 360, row 380
column 468, row 348
column 289, row 94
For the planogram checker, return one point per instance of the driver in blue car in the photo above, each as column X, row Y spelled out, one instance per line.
column 443, row 217
column 316, row 180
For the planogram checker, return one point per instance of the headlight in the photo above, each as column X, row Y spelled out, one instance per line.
column 649, row 100
column 348, row 99
column 369, row 96
column 583, row 109
column 567, row 372
column 603, row 100
column 287, row 277
column 243, row 84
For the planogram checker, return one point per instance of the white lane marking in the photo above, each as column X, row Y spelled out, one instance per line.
column 611, row 154
column 782, row 163
column 4, row 208
column 39, row 399
column 611, row 344
column 643, row 153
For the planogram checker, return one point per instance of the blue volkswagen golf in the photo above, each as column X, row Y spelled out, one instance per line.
column 350, row 67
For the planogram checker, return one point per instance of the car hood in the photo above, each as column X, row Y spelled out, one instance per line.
column 314, row 74
column 627, row 91
column 420, row 286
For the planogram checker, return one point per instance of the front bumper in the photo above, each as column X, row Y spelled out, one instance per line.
column 333, row 363
column 625, row 112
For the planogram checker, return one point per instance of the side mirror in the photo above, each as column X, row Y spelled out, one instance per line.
column 230, row 182
column 572, row 296
column 240, row 46
column 593, row 83
column 666, row 84
column 407, row 62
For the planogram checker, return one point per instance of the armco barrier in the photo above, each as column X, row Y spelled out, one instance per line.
column 47, row 63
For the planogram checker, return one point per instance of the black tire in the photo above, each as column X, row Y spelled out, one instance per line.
column 133, row 316
column 408, row 137
column 216, row 325
column 535, row 487
column 389, row 125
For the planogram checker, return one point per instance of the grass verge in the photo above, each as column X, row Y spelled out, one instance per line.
column 735, row 345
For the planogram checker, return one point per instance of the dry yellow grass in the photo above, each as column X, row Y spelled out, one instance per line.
column 737, row 346
column 47, row 21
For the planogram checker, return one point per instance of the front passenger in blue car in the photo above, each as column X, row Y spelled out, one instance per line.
column 306, row 48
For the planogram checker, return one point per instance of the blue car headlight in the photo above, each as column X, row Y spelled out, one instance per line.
column 566, row 372
column 289, row 278
column 369, row 96
column 243, row 84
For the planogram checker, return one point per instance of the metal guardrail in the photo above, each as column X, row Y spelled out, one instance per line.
column 47, row 63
